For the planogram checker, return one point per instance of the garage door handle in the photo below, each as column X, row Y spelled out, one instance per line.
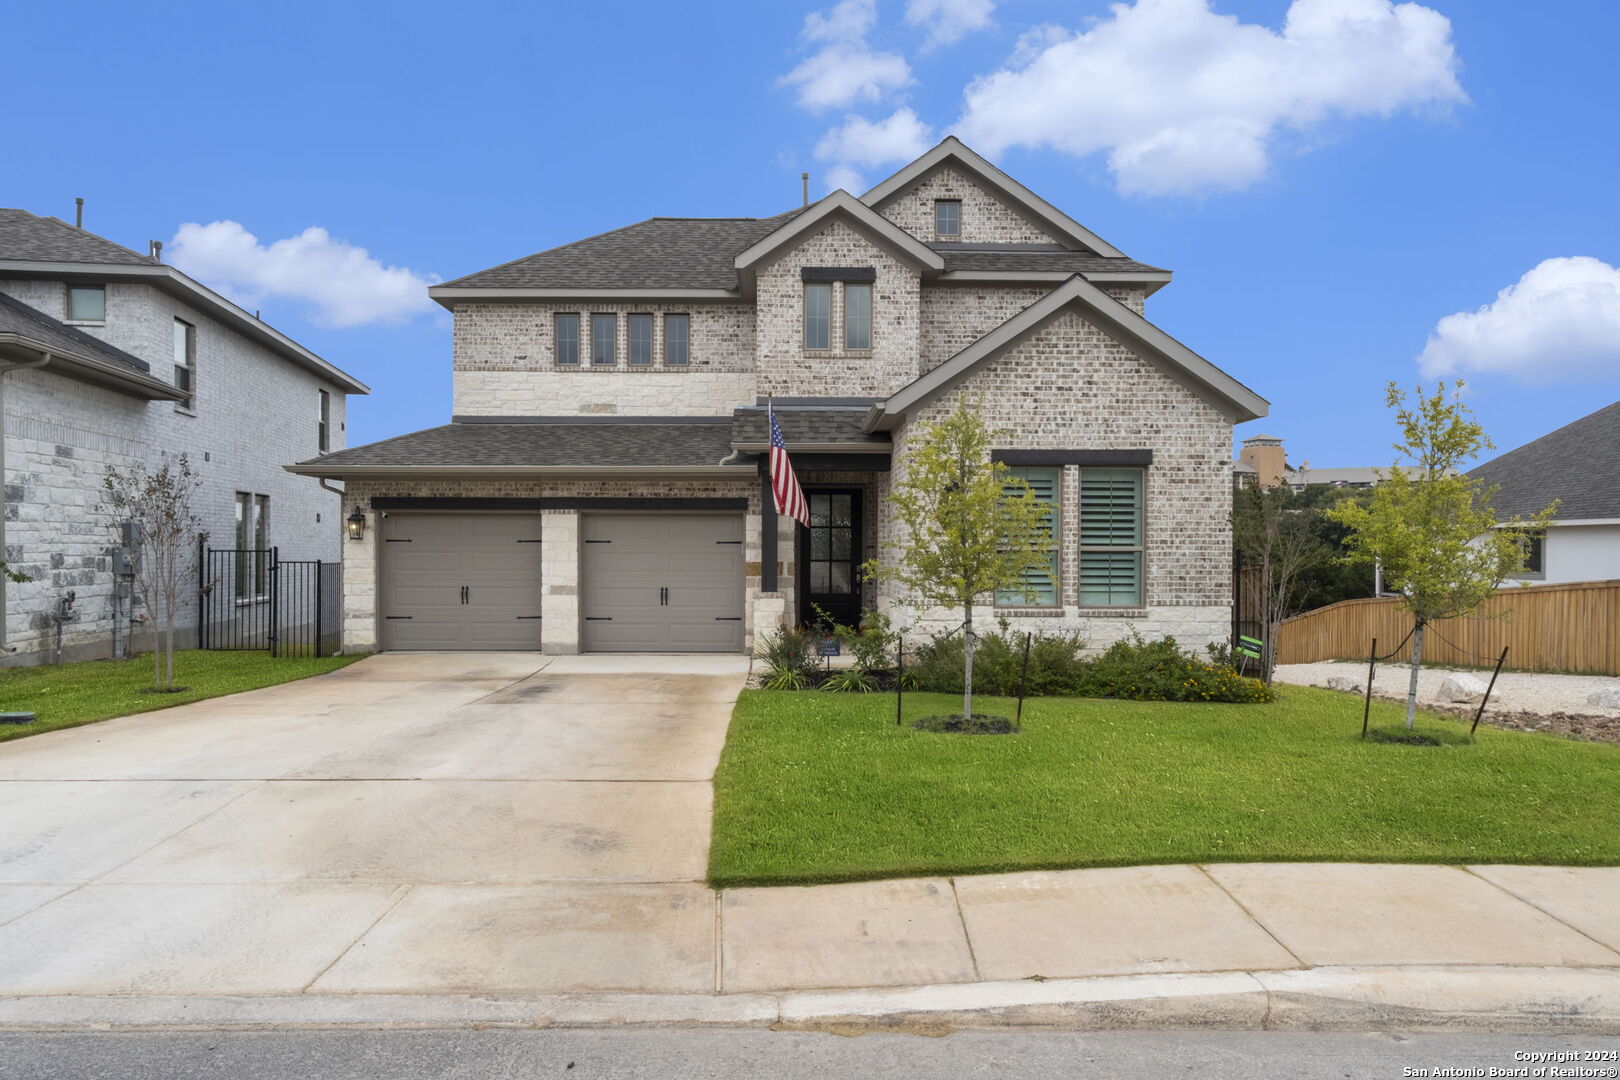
column 663, row 596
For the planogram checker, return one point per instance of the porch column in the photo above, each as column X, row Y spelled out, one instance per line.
column 767, row 529
column 559, row 582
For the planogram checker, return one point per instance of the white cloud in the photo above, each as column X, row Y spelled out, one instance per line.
column 845, row 69
column 949, row 21
column 344, row 284
column 842, row 176
column 872, row 143
column 1560, row 320
column 1185, row 100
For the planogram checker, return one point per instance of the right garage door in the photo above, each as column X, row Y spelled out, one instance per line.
column 662, row 583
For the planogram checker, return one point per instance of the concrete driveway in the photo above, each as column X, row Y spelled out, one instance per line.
column 414, row 822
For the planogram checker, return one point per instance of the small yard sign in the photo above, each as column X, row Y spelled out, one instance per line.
column 827, row 646
column 1250, row 647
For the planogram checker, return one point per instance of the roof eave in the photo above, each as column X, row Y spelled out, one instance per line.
column 1032, row 204
column 177, row 284
column 1153, row 280
column 820, row 447
column 89, row 369
column 448, row 296
column 668, row 472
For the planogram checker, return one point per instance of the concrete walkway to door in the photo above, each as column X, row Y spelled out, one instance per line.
column 412, row 822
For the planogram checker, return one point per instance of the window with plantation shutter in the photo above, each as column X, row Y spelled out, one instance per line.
column 1110, row 537
column 1040, row 583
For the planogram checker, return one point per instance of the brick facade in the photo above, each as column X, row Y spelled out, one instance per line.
column 254, row 412
column 986, row 219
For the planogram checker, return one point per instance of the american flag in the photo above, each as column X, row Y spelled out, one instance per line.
column 784, row 485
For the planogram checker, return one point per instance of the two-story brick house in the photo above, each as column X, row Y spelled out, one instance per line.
column 601, row 485
column 109, row 357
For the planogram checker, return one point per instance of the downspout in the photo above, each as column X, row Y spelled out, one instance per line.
column 6, row 369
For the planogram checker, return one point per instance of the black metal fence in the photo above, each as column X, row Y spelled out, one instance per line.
column 251, row 598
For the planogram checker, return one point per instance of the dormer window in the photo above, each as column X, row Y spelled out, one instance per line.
column 947, row 218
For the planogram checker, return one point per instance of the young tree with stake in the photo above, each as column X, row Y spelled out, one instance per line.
column 159, row 504
column 970, row 528
column 1428, row 525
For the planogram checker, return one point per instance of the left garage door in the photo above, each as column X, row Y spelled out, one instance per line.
column 460, row 581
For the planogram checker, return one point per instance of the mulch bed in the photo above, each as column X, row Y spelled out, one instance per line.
column 979, row 724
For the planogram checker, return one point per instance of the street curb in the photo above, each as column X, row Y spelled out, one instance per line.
column 1459, row 999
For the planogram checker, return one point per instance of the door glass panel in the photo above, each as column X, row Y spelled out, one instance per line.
column 840, row 577
column 819, row 576
column 840, row 543
column 818, row 510
column 819, row 543
column 840, row 510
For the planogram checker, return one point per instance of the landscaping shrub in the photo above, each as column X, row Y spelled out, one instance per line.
column 1139, row 670
column 788, row 656
column 1055, row 665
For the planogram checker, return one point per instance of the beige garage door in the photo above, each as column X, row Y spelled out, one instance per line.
column 662, row 582
column 460, row 581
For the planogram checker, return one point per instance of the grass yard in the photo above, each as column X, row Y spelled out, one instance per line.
column 92, row 690
column 818, row 787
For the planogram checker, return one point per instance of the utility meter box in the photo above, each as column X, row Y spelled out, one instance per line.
column 125, row 563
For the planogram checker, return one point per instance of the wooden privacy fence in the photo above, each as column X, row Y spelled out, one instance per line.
column 1569, row 627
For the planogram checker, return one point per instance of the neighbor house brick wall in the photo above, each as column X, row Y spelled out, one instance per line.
column 559, row 576
column 255, row 412
column 1072, row 386
column 986, row 219
column 505, row 362
column 784, row 365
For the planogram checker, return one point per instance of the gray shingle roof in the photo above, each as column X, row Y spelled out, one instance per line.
column 554, row 442
column 1038, row 257
column 31, row 238
column 18, row 318
column 803, row 427
column 660, row 253
column 1579, row 464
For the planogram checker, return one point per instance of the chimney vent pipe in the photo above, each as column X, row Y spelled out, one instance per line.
column 804, row 181
column 78, row 213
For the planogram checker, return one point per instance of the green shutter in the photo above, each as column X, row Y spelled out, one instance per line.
column 1040, row 583
column 1110, row 518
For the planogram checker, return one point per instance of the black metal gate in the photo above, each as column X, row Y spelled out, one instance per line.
column 251, row 598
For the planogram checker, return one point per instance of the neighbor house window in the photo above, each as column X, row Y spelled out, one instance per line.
column 677, row 339
column 87, row 303
column 947, row 218
column 641, row 335
column 1535, row 556
column 568, row 338
column 185, row 362
column 252, row 545
column 604, row 339
column 323, row 425
column 857, row 316
column 1040, row 584
column 817, row 316
column 1110, row 537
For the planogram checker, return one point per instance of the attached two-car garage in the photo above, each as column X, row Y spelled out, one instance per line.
column 654, row 582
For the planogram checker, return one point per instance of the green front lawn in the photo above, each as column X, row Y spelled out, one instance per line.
column 818, row 787
column 83, row 693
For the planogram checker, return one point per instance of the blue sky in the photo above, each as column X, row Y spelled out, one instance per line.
column 1346, row 204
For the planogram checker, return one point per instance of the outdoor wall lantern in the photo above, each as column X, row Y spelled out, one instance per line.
column 357, row 524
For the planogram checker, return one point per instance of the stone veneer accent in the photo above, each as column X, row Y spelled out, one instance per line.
column 985, row 218
column 1072, row 386
column 783, row 364
column 649, row 392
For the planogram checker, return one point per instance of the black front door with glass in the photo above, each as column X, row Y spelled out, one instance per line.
column 830, row 557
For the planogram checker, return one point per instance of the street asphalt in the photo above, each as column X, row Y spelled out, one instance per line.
column 723, row 1054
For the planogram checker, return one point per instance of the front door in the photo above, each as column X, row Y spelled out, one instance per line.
column 830, row 557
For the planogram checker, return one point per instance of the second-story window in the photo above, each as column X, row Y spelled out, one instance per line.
column 817, row 316
column 87, row 303
column 641, row 339
column 677, row 339
column 568, row 338
column 947, row 218
column 604, row 343
column 857, row 316
column 185, row 362
column 323, row 429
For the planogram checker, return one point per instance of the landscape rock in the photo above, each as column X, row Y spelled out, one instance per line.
column 1607, row 698
column 1346, row 683
column 1461, row 687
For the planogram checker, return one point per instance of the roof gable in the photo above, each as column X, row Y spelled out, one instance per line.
column 953, row 153
column 840, row 205
column 1235, row 399
column 29, row 237
column 1578, row 464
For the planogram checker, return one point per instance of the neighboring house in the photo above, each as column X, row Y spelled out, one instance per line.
column 1579, row 465
column 1263, row 461
column 600, row 486
column 111, row 358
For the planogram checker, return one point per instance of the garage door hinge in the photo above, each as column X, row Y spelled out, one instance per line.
column 598, row 618
column 399, row 616
column 599, row 541
column 728, row 618
column 531, row 617
column 728, row 541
